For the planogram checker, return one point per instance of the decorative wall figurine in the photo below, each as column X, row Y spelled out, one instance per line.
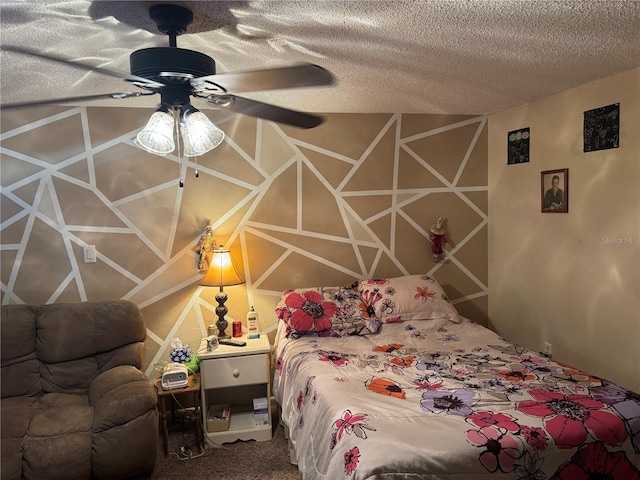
column 437, row 238
column 205, row 248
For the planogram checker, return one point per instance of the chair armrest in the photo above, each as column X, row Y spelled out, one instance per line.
column 120, row 395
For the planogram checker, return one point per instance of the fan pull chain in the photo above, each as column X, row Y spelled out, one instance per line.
column 195, row 159
column 177, row 130
column 182, row 171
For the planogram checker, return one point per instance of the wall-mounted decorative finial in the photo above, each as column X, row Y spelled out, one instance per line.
column 205, row 248
column 438, row 239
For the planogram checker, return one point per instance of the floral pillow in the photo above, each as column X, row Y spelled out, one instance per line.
column 325, row 311
column 413, row 297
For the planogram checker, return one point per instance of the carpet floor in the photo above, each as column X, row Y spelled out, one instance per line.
column 232, row 461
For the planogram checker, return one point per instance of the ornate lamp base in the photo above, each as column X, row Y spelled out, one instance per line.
column 221, row 311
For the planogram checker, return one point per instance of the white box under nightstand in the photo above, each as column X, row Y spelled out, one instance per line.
column 260, row 411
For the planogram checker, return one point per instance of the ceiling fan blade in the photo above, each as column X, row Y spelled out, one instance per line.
column 63, row 100
column 141, row 81
column 254, row 108
column 296, row 76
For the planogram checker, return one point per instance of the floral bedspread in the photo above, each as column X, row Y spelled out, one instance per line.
column 444, row 400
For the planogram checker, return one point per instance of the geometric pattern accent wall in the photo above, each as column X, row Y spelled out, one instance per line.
column 353, row 198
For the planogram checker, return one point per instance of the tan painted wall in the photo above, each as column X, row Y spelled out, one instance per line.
column 353, row 198
column 570, row 279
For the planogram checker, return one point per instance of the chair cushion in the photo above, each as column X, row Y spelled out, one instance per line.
column 20, row 366
column 48, row 436
column 72, row 331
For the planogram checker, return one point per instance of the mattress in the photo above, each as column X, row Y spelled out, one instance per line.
column 435, row 399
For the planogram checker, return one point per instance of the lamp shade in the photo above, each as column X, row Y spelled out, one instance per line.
column 222, row 272
column 157, row 135
column 199, row 134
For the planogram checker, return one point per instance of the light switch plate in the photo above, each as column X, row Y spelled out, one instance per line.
column 90, row 254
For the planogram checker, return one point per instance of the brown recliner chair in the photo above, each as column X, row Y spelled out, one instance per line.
column 75, row 404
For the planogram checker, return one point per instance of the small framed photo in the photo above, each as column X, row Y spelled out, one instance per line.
column 555, row 191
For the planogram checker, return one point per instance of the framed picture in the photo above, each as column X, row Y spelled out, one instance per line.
column 602, row 128
column 555, row 191
column 518, row 146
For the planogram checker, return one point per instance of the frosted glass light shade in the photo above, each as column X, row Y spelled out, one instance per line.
column 157, row 135
column 199, row 134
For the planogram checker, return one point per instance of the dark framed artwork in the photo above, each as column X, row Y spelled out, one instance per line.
column 555, row 191
column 601, row 129
column 518, row 146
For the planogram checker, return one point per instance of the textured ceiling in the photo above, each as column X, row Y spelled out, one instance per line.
column 436, row 56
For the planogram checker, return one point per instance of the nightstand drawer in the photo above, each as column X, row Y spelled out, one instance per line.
column 231, row 371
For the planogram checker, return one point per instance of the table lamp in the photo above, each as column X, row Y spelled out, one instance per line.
column 221, row 273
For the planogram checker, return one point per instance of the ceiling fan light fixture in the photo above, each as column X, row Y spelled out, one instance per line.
column 157, row 135
column 199, row 134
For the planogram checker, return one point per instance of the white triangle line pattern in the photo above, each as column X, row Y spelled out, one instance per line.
column 172, row 334
column 174, row 221
column 87, row 146
column 352, row 239
column 301, row 233
column 446, row 128
column 367, row 152
column 472, row 146
column 164, row 293
column 62, row 287
column 39, row 123
column 394, row 198
column 294, row 249
column 252, row 200
column 326, row 152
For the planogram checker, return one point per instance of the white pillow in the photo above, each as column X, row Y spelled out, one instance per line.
column 412, row 297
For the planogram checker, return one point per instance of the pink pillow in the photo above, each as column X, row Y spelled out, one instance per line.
column 413, row 297
column 325, row 311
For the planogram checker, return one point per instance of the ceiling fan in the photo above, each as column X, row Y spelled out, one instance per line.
column 178, row 74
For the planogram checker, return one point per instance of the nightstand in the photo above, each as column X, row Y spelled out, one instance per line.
column 193, row 388
column 235, row 376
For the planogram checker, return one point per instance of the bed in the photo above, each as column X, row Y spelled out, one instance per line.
column 383, row 379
